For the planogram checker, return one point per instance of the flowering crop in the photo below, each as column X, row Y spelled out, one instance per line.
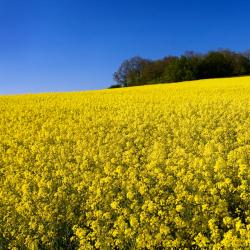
column 137, row 168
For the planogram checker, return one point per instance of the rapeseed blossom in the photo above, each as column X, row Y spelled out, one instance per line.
column 162, row 166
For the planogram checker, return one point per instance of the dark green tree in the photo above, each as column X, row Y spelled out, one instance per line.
column 129, row 72
column 189, row 66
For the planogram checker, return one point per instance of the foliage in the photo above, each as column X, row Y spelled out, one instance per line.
column 153, row 167
column 182, row 69
column 115, row 86
column 190, row 66
column 130, row 70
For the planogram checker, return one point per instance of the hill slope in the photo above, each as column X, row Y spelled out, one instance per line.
column 142, row 167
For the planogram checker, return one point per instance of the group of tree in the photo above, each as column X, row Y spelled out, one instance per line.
column 189, row 66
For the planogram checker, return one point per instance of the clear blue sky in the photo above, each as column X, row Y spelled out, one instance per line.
column 67, row 45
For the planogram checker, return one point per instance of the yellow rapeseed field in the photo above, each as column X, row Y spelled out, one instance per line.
column 149, row 167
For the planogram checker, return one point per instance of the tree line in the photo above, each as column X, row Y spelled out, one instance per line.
column 189, row 66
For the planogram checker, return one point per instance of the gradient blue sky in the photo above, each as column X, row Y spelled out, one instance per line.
column 67, row 45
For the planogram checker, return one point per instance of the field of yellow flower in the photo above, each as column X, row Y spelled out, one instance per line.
column 149, row 167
